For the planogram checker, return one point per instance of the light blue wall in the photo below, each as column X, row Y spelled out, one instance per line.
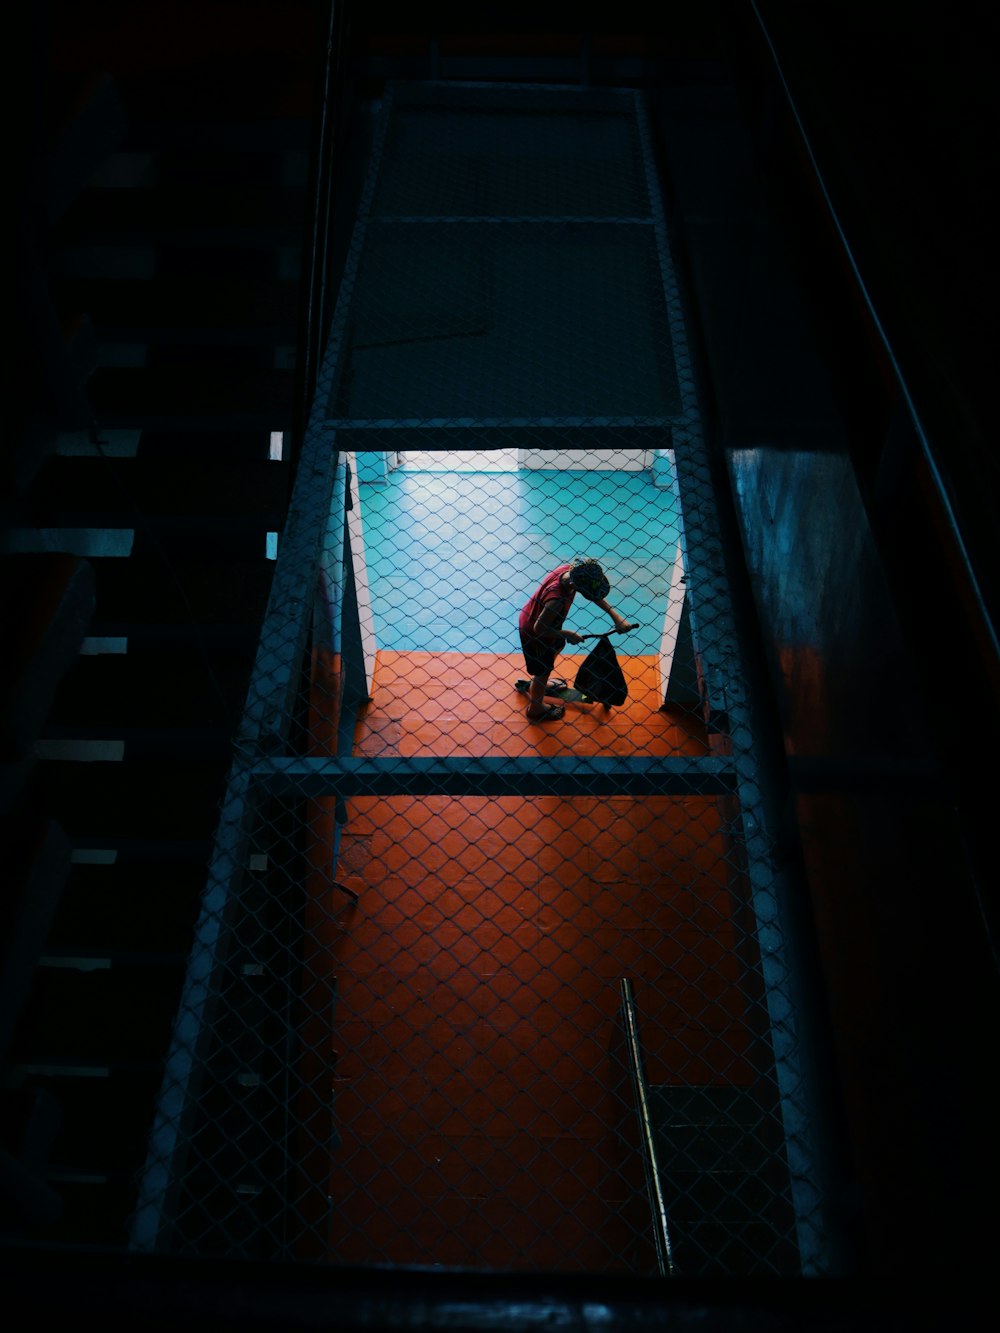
column 452, row 557
column 373, row 465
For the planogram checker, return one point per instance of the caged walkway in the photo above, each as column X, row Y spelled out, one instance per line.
column 481, row 1105
column 442, row 898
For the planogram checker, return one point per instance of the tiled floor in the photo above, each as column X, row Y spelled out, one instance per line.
column 478, row 1094
column 466, row 704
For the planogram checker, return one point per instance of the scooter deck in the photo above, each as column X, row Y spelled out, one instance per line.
column 566, row 695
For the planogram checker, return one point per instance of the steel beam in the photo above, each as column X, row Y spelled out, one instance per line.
column 562, row 775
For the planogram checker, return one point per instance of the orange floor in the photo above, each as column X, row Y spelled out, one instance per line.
column 466, row 703
column 477, row 1097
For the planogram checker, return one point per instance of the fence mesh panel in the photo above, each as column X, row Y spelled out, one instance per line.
column 402, row 1037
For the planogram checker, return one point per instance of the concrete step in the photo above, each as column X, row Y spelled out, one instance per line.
column 47, row 601
column 233, row 311
column 193, row 396
column 185, row 215
column 102, row 1016
column 102, row 492
column 135, row 691
column 103, row 801
column 142, row 596
column 95, row 1212
column 103, row 1120
column 249, row 446
column 127, row 907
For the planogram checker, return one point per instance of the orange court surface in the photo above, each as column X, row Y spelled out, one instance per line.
column 478, row 1084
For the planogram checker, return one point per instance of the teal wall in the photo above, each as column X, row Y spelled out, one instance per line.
column 452, row 557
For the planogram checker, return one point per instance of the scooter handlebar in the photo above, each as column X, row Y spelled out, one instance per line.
column 605, row 633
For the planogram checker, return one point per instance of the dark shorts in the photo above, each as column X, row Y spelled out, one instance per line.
column 539, row 657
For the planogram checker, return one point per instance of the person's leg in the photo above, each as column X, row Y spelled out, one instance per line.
column 537, row 706
column 536, row 695
column 539, row 660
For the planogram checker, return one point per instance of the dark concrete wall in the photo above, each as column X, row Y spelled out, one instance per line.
column 845, row 607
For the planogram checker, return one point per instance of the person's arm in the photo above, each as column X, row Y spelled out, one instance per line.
column 621, row 623
column 548, row 626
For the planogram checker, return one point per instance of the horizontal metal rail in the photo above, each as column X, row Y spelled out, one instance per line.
column 562, row 775
column 503, row 423
column 534, row 219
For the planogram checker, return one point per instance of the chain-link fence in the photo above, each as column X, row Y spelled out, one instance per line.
column 403, row 1038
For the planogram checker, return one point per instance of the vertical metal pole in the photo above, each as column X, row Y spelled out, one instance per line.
column 705, row 563
column 654, row 1183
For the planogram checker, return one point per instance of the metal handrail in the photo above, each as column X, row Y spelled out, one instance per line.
column 920, row 430
column 654, row 1183
column 325, row 154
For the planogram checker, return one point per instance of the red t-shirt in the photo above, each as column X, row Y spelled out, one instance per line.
column 549, row 590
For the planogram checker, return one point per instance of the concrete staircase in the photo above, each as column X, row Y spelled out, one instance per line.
column 157, row 312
